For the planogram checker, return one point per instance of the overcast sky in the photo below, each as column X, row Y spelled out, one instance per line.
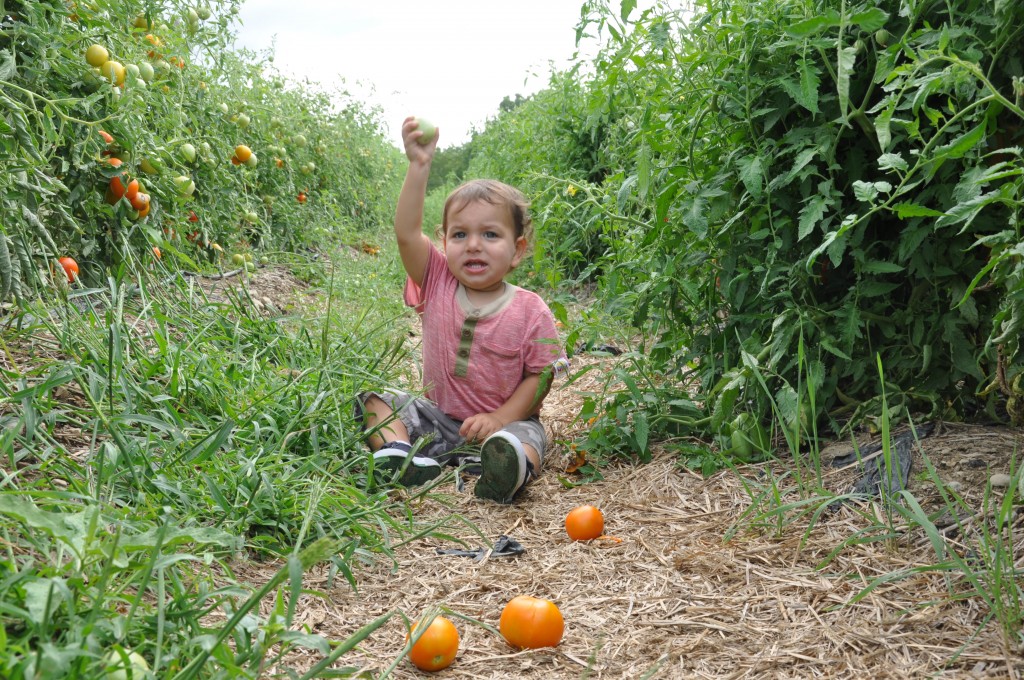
column 451, row 62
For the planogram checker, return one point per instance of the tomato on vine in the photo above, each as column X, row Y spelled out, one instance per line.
column 242, row 153
column 141, row 202
column 132, row 190
column 70, row 268
column 96, row 55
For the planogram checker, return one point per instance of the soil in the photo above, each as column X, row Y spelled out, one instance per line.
column 695, row 577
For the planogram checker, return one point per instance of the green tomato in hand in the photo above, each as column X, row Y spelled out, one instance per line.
column 428, row 129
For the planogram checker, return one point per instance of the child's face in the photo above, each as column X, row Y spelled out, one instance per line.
column 481, row 245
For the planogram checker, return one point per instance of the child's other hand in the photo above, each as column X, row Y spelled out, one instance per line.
column 479, row 427
column 414, row 151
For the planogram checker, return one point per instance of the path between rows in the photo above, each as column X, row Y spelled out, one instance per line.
column 665, row 596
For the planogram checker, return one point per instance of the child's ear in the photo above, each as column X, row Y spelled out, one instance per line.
column 520, row 251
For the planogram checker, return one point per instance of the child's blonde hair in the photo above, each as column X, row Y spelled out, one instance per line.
column 495, row 193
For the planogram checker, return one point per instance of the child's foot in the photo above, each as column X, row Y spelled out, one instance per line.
column 420, row 470
column 505, row 467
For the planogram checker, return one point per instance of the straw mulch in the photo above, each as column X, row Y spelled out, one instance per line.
column 665, row 595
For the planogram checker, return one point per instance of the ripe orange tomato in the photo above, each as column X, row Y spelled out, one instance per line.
column 115, row 190
column 107, row 137
column 301, row 197
column 242, row 153
column 437, row 647
column 584, row 523
column 132, row 190
column 531, row 622
column 141, row 202
column 192, row 216
column 70, row 268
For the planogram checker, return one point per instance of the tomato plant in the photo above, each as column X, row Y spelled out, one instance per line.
column 83, row 67
column 436, row 647
column 584, row 523
column 531, row 622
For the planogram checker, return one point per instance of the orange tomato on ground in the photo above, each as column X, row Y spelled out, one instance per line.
column 531, row 622
column 156, row 252
column 437, row 647
column 584, row 523
column 70, row 267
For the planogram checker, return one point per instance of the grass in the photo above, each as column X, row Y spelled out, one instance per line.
column 979, row 559
column 151, row 435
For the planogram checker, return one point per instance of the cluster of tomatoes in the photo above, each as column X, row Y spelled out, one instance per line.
column 526, row 622
column 118, row 189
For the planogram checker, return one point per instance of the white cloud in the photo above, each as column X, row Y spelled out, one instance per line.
column 452, row 62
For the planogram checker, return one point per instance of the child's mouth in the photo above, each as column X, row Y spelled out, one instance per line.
column 475, row 266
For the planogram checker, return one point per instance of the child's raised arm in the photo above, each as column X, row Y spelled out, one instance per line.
column 413, row 244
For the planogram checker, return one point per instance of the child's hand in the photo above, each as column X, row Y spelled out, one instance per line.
column 414, row 151
column 479, row 427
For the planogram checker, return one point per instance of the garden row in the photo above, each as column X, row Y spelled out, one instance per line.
column 131, row 126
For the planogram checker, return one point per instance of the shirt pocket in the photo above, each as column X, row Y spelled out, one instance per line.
column 490, row 362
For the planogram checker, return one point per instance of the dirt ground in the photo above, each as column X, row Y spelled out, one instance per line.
column 687, row 582
column 665, row 595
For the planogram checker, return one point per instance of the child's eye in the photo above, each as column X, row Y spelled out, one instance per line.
column 458, row 234
column 491, row 234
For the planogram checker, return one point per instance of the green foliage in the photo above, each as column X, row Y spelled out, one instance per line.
column 449, row 166
column 759, row 178
column 186, row 101
column 162, row 434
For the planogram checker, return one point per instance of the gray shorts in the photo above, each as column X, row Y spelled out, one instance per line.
column 424, row 419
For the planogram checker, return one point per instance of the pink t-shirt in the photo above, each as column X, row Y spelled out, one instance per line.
column 474, row 359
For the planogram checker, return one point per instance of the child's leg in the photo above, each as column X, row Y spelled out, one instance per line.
column 509, row 459
column 399, row 423
column 533, row 457
column 375, row 412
